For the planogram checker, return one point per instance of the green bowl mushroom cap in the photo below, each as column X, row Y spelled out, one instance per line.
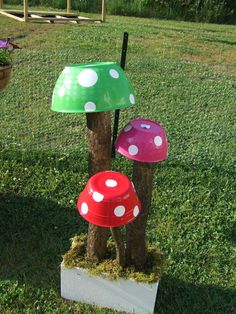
column 92, row 87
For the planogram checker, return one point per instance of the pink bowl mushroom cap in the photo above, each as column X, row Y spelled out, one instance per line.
column 143, row 140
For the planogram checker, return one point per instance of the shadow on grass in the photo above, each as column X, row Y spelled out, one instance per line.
column 226, row 42
column 34, row 233
column 178, row 297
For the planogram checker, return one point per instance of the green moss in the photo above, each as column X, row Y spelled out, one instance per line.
column 110, row 268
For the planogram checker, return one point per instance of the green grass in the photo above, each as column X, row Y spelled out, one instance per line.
column 185, row 78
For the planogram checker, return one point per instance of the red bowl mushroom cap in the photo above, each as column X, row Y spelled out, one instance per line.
column 109, row 200
column 143, row 140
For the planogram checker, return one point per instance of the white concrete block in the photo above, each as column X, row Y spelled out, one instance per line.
column 123, row 294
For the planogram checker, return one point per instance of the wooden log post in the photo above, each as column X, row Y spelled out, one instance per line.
column 120, row 246
column 99, row 159
column 103, row 11
column 26, row 9
column 136, row 248
column 68, row 6
column 1, row 4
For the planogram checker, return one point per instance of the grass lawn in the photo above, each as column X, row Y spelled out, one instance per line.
column 184, row 75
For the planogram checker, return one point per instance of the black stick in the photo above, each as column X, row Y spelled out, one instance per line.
column 124, row 50
column 117, row 112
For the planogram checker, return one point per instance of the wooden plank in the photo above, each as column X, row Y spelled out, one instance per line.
column 36, row 17
column 68, row 6
column 66, row 19
column 12, row 16
column 42, row 15
column 41, row 12
column 83, row 18
column 103, row 11
column 11, row 11
column 63, row 19
column 26, row 9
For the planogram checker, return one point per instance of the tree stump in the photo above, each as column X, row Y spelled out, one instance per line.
column 99, row 159
column 136, row 252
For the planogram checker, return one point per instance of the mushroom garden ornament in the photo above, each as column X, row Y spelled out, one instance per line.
column 145, row 142
column 109, row 200
column 94, row 89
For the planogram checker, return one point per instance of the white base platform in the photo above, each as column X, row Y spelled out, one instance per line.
column 123, row 294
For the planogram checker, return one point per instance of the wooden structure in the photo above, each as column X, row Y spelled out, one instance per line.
column 51, row 17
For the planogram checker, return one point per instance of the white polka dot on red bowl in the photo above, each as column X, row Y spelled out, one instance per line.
column 136, row 211
column 119, row 211
column 98, row 197
column 84, row 208
column 111, row 183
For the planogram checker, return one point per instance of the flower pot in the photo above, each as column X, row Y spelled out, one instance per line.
column 5, row 75
column 122, row 294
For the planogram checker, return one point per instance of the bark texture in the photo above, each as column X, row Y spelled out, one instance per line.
column 99, row 159
column 136, row 248
column 120, row 246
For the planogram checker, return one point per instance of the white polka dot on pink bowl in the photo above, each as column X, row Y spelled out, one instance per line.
column 158, row 140
column 133, row 150
column 145, row 126
column 127, row 128
column 146, row 142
